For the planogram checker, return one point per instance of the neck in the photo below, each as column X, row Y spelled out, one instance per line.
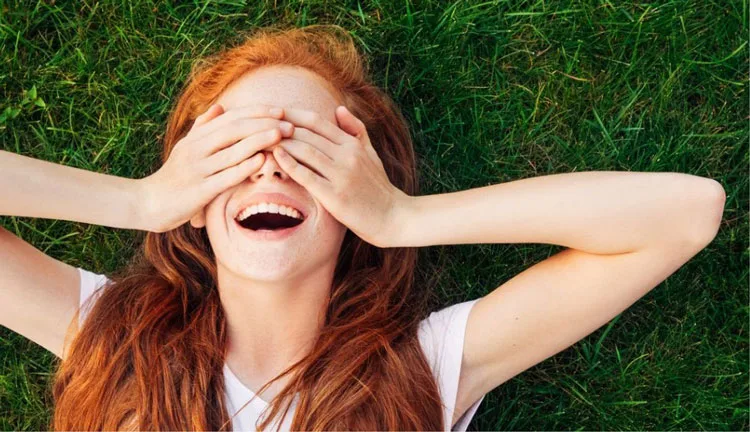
column 272, row 324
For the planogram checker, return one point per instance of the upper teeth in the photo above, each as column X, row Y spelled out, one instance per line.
column 268, row 208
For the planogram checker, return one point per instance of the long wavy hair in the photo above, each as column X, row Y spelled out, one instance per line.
column 150, row 354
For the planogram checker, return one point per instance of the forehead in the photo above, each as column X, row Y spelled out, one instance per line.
column 282, row 86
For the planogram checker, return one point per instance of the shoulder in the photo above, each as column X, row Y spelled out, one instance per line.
column 442, row 329
column 90, row 289
column 441, row 335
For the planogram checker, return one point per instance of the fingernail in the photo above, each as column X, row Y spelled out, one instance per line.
column 276, row 111
column 285, row 127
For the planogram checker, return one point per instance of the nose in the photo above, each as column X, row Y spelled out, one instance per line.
column 269, row 168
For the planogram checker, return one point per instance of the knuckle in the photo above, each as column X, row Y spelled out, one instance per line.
column 216, row 137
column 314, row 117
column 238, row 114
column 238, row 122
column 231, row 115
column 274, row 123
column 339, row 189
column 304, row 134
column 226, row 157
column 309, row 151
column 321, row 158
column 257, row 110
column 226, row 180
column 309, row 175
column 265, row 123
column 350, row 159
column 244, row 147
column 271, row 135
column 263, row 108
column 247, row 111
column 241, row 126
column 207, row 168
column 247, row 145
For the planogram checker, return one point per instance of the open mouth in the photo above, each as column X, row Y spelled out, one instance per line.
column 269, row 222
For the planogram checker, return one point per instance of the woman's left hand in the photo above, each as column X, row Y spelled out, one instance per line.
column 340, row 167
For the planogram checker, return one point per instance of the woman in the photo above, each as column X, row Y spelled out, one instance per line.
column 287, row 300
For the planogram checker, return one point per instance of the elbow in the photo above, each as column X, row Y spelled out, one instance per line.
column 709, row 215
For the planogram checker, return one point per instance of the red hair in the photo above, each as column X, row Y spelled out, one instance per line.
column 150, row 354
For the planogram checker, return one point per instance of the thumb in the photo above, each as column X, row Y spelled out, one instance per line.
column 348, row 123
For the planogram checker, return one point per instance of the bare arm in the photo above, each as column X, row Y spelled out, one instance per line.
column 625, row 231
column 40, row 294
column 601, row 212
column 41, row 189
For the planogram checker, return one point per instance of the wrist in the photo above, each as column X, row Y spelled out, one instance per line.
column 142, row 204
column 407, row 210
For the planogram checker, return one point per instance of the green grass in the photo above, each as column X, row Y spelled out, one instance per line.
column 495, row 91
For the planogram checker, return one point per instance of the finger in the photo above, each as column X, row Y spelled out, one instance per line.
column 240, row 151
column 313, row 158
column 354, row 126
column 212, row 112
column 348, row 122
column 231, row 176
column 311, row 181
column 237, row 130
column 316, row 123
column 246, row 112
column 331, row 150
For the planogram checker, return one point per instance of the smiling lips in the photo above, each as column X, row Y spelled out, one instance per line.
column 269, row 208
column 277, row 198
column 270, row 216
column 269, row 226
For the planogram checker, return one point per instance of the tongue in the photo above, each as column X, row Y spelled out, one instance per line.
column 269, row 221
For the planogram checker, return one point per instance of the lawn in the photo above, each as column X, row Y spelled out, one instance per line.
column 494, row 91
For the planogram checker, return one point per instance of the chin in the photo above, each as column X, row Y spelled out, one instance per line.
column 264, row 266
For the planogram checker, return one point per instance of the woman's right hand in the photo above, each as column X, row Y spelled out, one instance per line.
column 214, row 156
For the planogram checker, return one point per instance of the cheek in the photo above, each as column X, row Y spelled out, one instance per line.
column 326, row 216
column 216, row 209
column 332, row 224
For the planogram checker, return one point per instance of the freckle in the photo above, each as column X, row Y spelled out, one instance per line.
column 516, row 317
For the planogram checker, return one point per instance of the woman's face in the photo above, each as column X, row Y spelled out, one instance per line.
column 317, row 241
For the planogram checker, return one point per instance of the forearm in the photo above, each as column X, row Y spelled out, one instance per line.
column 41, row 189
column 602, row 212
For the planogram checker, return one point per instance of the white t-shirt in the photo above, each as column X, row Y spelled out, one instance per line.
column 441, row 336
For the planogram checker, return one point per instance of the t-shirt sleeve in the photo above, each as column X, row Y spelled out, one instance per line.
column 441, row 335
column 90, row 288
